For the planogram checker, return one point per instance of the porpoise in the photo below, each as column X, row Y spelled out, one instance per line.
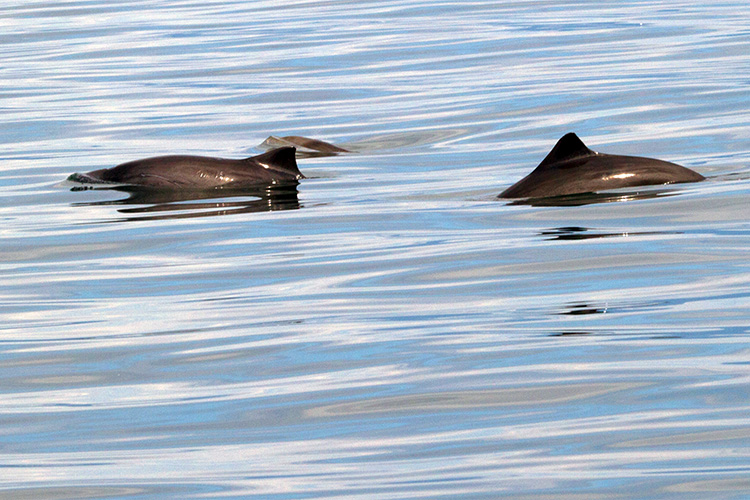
column 572, row 168
column 305, row 145
column 200, row 172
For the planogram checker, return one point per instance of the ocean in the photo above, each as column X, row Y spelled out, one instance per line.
column 389, row 328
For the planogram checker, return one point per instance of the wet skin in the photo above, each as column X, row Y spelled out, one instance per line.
column 200, row 172
column 306, row 147
column 313, row 144
column 572, row 168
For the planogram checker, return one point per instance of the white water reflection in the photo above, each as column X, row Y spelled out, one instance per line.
column 389, row 329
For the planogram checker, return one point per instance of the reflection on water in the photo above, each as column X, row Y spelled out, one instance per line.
column 445, row 401
column 579, row 309
column 408, row 140
column 569, row 334
column 183, row 204
column 577, row 200
column 405, row 335
column 582, row 233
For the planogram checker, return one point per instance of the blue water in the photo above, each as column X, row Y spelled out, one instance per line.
column 389, row 329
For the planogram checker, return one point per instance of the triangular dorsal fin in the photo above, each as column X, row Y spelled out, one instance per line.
column 568, row 147
column 280, row 160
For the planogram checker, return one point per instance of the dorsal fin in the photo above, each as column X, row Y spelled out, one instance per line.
column 280, row 160
column 568, row 147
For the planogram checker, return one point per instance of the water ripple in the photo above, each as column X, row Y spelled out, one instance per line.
column 388, row 328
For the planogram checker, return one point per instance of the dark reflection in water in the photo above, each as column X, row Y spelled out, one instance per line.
column 569, row 334
column 581, row 309
column 194, row 203
column 583, row 233
column 584, row 308
column 577, row 200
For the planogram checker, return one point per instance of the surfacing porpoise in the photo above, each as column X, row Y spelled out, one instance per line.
column 572, row 168
column 305, row 145
column 200, row 172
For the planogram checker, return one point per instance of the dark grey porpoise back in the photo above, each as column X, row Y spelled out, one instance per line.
column 201, row 172
column 314, row 144
column 572, row 168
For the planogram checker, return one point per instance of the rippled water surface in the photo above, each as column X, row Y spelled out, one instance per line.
column 388, row 328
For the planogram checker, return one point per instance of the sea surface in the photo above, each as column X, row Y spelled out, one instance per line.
column 388, row 328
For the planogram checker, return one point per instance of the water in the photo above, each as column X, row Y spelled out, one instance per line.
column 388, row 329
